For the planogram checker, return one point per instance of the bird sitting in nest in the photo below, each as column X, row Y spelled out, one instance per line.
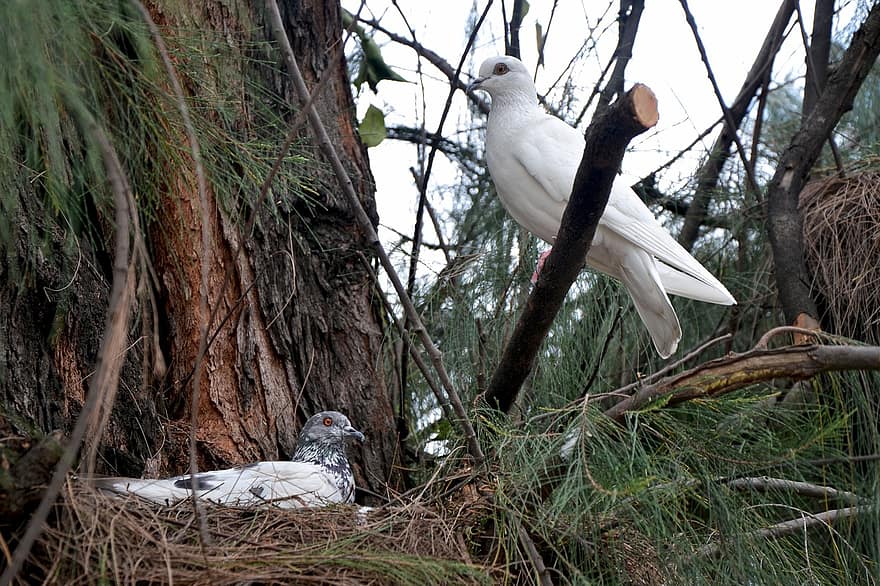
column 318, row 474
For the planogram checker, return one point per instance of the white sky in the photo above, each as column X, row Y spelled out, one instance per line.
column 665, row 58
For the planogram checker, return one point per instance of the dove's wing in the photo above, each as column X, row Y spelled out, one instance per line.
column 550, row 154
column 285, row 484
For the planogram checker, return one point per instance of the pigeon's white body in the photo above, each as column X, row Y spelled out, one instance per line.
column 318, row 475
column 283, row 484
column 533, row 158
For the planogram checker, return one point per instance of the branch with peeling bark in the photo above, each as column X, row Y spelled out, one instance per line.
column 606, row 141
column 736, row 371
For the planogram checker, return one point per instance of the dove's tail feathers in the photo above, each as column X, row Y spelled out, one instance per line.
column 163, row 492
column 640, row 276
column 679, row 283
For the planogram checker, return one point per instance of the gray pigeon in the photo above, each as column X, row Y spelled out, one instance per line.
column 318, row 474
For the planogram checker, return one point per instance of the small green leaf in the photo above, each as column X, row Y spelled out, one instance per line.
column 372, row 127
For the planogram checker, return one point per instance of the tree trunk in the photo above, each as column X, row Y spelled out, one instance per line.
column 297, row 329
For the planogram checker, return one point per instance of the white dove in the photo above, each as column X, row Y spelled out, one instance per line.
column 533, row 158
column 317, row 475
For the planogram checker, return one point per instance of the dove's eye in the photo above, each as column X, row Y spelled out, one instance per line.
column 501, row 69
column 328, row 421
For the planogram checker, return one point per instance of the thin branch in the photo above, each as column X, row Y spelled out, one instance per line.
column 765, row 339
column 411, row 349
column 606, row 141
column 766, row 483
column 728, row 118
column 710, row 171
column 366, row 226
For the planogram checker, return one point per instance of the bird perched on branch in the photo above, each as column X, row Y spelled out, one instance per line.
column 533, row 158
column 318, row 474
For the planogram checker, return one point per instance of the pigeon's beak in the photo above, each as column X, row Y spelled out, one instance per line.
column 352, row 432
column 475, row 85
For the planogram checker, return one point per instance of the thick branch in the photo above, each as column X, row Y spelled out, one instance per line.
column 736, row 371
column 708, row 174
column 784, row 221
column 606, row 141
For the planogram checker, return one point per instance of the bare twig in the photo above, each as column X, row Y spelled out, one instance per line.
column 765, row 339
column 709, row 172
column 728, row 118
column 366, row 225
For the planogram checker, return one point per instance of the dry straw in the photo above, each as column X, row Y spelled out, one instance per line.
column 841, row 219
column 97, row 538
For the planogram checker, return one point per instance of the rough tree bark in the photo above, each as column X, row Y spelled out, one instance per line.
column 299, row 328
column 784, row 220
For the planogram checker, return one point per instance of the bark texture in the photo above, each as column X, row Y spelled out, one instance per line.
column 298, row 328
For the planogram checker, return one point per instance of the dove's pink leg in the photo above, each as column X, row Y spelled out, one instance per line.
column 542, row 258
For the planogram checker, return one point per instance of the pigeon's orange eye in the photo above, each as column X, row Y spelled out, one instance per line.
column 328, row 421
column 501, row 69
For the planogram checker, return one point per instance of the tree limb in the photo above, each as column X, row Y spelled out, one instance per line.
column 784, row 222
column 807, row 521
column 606, row 141
column 736, row 371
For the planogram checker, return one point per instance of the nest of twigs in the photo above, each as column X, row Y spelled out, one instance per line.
column 98, row 538
column 841, row 218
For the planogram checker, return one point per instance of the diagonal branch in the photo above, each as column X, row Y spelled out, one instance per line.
column 709, row 172
column 606, row 141
column 728, row 117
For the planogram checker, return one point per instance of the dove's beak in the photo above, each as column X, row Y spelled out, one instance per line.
column 352, row 432
column 475, row 85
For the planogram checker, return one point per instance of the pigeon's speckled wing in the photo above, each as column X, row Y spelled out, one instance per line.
column 283, row 484
column 318, row 474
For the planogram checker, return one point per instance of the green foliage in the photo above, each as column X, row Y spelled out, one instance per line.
column 99, row 55
column 372, row 128
column 373, row 68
